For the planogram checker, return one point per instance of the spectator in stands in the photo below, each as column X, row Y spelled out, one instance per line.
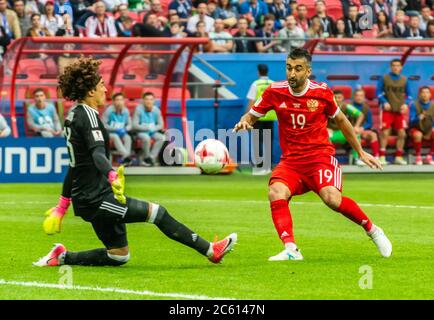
column 23, row 18
column 117, row 121
column 9, row 21
column 352, row 27
column 100, row 25
column 414, row 31
column 421, row 123
column 183, row 9
column 42, row 116
column 62, row 7
column 221, row 40
column 244, row 45
column 254, row 11
column 148, row 123
column 365, row 128
column 383, row 28
column 202, row 11
column 340, row 30
column 393, row 91
column 228, row 13
column 158, row 11
column 430, row 30
column 354, row 116
column 388, row 7
column 327, row 22
column 125, row 27
column 4, row 42
column 50, row 20
column 412, row 6
column 201, row 33
column 37, row 30
column 316, row 29
column 399, row 28
column 152, row 20
column 425, row 17
column 268, row 44
column 291, row 30
column 67, row 30
column 212, row 9
column 34, row 6
column 302, row 18
column 80, row 7
column 280, row 10
column 5, row 130
column 176, row 30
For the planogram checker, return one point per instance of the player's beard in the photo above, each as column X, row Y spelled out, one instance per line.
column 295, row 84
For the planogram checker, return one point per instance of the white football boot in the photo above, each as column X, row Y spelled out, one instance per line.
column 290, row 253
column 381, row 241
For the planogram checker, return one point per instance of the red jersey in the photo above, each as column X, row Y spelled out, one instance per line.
column 302, row 118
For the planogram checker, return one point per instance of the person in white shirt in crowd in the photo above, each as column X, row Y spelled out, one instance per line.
column 425, row 17
column 202, row 11
column 53, row 22
column 291, row 30
column 117, row 121
column 221, row 41
column 5, row 130
column 148, row 123
column 101, row 25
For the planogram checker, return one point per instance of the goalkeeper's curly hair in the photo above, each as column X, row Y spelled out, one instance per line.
column 79, row 78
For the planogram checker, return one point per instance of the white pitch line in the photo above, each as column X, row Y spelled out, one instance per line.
column 111, row 290
column 319, row 203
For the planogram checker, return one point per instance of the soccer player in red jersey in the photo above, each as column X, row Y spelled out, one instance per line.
column 308, row 163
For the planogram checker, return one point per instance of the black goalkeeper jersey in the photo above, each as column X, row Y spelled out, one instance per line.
column 84, row 131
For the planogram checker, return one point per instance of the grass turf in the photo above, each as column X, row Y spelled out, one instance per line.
column 333, row 247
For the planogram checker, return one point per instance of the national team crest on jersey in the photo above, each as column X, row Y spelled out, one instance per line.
column 312, row 105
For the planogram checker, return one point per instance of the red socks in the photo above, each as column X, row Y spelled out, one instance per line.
column 282, row 220
column 352, row 211
column 375, row 146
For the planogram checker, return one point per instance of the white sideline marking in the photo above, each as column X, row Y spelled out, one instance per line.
column 319, row 203
column 111, row 290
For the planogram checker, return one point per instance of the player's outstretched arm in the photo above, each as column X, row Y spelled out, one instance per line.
column 54, row 216
column 246, row 122
column 349, row 133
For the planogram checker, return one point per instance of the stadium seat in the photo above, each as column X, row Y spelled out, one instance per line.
column 133, row 93
column 370, row 91
column 347, row 90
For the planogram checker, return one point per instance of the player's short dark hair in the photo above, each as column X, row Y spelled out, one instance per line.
column 148, row 93
column 117, row 94
column 262, row 69
column 335, row 92
column 425, row 88
column 79, row 78
column 298, row 53
column 38, row 90
column 396, row 60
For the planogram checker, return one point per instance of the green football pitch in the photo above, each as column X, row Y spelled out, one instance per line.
column 340, row 262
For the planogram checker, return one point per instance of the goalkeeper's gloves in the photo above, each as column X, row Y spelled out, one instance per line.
column 117, row 181
column 54, row 216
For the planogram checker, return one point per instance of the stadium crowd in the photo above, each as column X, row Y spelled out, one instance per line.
column 274, row 25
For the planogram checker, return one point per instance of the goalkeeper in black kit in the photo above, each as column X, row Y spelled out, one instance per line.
column 97, row 191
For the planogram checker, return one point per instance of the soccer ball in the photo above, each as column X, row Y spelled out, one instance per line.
column 211, row 156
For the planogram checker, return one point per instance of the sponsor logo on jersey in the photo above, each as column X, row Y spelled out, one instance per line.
column 312, row 105
column 97, row 135
column 296, row 105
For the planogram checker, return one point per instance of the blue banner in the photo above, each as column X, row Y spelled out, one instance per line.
column 33, row 160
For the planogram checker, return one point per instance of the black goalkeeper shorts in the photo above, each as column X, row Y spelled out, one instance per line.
column 111, row 217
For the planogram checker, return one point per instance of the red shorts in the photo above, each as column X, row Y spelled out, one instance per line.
column 302, row 177
column 395, row 120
